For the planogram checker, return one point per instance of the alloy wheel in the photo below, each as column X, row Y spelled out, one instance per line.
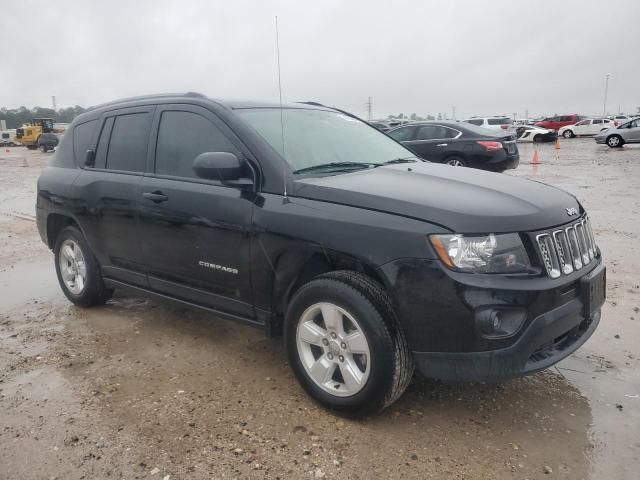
column 73, row 267
column 455, row 163
column 333, row 349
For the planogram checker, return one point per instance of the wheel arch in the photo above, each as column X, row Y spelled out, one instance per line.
column 56, row 222
column 296, row 270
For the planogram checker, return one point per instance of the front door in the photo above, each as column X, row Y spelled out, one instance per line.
column 195, row 232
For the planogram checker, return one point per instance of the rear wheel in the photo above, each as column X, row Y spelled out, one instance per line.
column 537, row 138
column 568, row 134
column 43, row 148
column 455, row 162
column 345, row 344
column 614, row 141
column 78, row 270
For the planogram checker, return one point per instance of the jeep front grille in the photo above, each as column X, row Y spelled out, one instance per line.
column 568, row 249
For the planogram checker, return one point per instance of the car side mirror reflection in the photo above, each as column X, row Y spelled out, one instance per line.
column 223, row 166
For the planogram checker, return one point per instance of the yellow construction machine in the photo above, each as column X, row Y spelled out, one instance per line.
column 29, row 133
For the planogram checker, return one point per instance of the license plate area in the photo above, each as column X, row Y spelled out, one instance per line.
column 593, row 289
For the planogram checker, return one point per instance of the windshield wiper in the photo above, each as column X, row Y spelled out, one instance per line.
column 336, row 166
column 401, row 160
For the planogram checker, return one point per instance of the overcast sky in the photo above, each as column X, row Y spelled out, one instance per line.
column 484, row 57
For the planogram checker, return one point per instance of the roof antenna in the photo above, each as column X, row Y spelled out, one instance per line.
column 281, row 119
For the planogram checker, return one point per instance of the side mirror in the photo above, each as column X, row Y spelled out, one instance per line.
column 223, row 166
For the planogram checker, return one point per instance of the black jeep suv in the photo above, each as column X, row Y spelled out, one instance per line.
column 306, row 221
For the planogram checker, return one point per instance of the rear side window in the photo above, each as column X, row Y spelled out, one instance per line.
column 128, row 144
column 402, row 134
column 82, row 136
column 597, row 121
column 500, row 121
column 183, row 136
column 433, row 132
column 475, row 121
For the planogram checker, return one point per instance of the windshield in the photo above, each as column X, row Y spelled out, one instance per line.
column 319, row 137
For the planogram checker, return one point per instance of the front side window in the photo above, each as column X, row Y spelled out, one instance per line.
column 475, row 121
column 597, row 122
column 183, row 136
column 128, row 144
column 583, row 122
column 320, row 137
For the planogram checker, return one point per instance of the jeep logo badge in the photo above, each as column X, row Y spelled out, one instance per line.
column 571, row 211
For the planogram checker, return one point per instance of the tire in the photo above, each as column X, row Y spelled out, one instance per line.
column 43, row 148
column 537, row 138
column 568, row 134
column 455, row 162
column 80, row 262
column 615, row 141
column 386, row 370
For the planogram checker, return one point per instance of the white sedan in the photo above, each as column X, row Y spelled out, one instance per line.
column 588, row 126
column 531, row 133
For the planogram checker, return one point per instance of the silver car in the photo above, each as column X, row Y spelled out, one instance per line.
column 616, row 137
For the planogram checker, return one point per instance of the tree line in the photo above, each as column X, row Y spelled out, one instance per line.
column 16, row 117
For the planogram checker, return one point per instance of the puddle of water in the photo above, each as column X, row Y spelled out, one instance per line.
column 26, row 282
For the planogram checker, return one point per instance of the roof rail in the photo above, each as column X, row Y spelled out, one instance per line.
column 148, row 97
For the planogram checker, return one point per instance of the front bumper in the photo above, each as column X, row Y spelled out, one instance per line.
column 549, row 338
column 437, row 309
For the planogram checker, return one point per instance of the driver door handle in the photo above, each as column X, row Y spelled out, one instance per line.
column 156, row 196
column 441, row 145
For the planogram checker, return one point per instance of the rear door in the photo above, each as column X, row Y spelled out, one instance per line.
column 196, row 232
column 108, row 191
column 434, row 142
column 597, row 124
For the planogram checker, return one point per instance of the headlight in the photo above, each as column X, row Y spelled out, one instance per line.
column 491, row 253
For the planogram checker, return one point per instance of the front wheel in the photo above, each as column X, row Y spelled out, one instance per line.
column 78, row 270
column 568, row 134
column 614, row 141
column 43, row 148
column 345, row 344
column 455, row 162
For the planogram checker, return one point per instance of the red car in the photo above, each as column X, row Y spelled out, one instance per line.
column 559, row 121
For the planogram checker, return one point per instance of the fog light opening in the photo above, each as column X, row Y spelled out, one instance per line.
column 499, row 321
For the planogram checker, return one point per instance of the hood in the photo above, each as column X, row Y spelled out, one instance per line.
column 464, row 200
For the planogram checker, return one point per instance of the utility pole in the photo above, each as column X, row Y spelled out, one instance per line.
column 53, row 101
column 526, row 114
column 453, row 113
column 606, row 89
column 369, row 108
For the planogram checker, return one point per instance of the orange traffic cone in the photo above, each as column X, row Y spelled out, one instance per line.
column 535, row 159
column 557, row 144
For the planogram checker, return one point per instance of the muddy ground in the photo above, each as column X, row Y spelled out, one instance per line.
column 144, row 389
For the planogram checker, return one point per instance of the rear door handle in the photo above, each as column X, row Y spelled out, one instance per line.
column 441, row 145
column 156, row 196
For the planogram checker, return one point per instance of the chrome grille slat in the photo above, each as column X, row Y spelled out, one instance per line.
column 567, row 250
